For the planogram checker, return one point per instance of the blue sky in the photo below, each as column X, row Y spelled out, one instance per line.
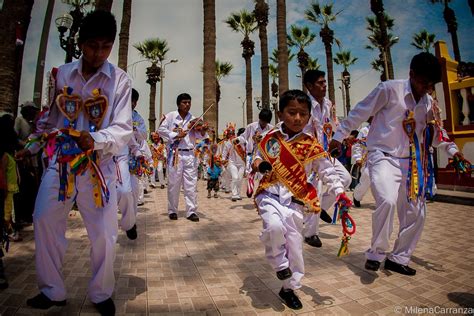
column 180, row 23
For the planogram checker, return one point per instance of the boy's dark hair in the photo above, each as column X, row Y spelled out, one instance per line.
column 240, row 131
column 297, row 95
column 427, row 66
column 181, row 97
column 135, row 95
column 312, row 75
column 354, row 133
column 265, row 115
column 98, row 24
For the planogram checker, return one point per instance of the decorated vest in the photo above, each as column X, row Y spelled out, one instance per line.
column 288, row 160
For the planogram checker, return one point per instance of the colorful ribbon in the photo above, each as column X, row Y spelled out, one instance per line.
column 415, row 178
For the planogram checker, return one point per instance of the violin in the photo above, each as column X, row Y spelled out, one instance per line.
column 198, row 124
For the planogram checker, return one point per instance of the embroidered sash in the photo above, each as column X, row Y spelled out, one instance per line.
column 415, row 178
column 288, row 160
column 238, row 149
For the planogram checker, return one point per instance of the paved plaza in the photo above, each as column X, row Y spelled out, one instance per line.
column 217, row 266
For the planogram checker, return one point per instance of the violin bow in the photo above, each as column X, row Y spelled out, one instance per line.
column 200, row 117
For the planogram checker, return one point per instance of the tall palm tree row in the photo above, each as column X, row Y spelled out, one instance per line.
column 282, row 46
column 450, row 19
column 223, row 69
column 209, row 64
column 323, row 16
column 14, row 20
column 376, row 6
column 301, row 37
column 124, row 34
column 274, row 69
column 384, row 62
column 345, row 59
column 244, row 22
column 423, row 40
column 154, row 50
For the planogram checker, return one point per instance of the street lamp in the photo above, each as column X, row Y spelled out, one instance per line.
column 71, row 21
column 162, row 76
column 258, row 100
column 243, row 110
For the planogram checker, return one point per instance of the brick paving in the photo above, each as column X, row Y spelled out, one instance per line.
column 217, row 266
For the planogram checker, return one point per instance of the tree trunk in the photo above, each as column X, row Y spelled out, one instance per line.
column 376, row 6
column 261, row 13
column 248, row 89
column 450, row 18
column 327, row 37
column 103, row 5
column 209, row 64
column 14, row 20
column 124, row 34
column 40, row 62
column 152, row 116
column 282, row 47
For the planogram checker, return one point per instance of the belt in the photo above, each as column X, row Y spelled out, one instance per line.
column 184, row 149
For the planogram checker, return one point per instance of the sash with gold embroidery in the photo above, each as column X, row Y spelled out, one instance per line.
column 415, row 178
column 288, row 159
column 238, row 149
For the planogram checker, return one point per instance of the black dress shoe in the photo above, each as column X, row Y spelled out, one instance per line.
column 41, row 301
column 132, row 233
column 356, row 202
column 290, row 298
column 106, row 308
column 193, row 217
column 313, row 241
column 372, row 265
column 173, row 216
column 399, row 268
column 284, row 274
column 325, row 217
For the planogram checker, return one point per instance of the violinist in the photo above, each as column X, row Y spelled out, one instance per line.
column 181, row 131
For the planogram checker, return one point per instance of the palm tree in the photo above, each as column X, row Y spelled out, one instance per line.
column 450, row 19
column 14, row 21
column 376, row 6
column 245, row 23
column 124, row 34
column 323, row 15
column 345, row 59
column 261, row 15
column 301, row 37
column 274, row 69
column 223, row 69
column 154, row 50
column 103, row 5
column 376, row 42
column 209, row 63
column 39, row 75
column 313, row 64
column 282, row 46
column 423, row 40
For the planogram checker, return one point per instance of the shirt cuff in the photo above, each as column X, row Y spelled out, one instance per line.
column 339, row 191
column 172, row 135
column 99, row 140
column 338, row 136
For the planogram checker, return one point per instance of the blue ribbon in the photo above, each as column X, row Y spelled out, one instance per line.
column 419, row 166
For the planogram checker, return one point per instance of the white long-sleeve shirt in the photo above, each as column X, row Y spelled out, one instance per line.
column 229, row 150
column 322, row 166
column 114, row 83
column 388, row 103
column 174, row 120
column 139, row 135
column 247, row 136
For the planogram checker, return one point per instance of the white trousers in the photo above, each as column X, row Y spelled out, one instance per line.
column 282, row 237
column 226, row 178
column 126, row 202
column 237, row 174
column 50, row 222
column 388, row 176
column 138, row 189
column 364, row 184
column 184, row 174
column 158, row 171
column 327, row 200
